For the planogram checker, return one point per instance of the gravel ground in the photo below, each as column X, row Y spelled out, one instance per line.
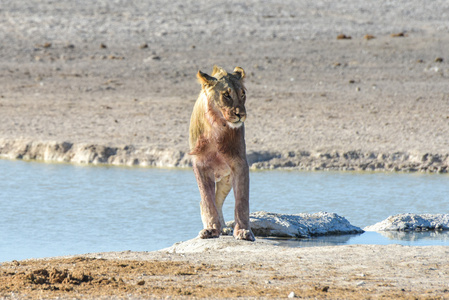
column 225, row 268
column 122, row 75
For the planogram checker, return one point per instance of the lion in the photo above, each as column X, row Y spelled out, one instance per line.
column 217, row 143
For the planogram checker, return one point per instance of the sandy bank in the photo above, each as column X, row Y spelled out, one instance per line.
column 224, row 267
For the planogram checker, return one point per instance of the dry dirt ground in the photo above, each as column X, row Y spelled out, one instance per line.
column 224, row 268
column 122, row 74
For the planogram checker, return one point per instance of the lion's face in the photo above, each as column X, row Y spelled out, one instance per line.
column 226, row 94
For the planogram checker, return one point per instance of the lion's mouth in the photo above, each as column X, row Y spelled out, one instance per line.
column 236, row 124
column 234, row 120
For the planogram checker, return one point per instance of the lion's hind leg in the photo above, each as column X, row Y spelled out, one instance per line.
column 223, row 187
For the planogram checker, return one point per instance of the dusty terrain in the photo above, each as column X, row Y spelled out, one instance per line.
column 223, row 267
column 114, row 82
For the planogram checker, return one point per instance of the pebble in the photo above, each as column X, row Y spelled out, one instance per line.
column 343, row 37
column 400, row 34
column 292, row 295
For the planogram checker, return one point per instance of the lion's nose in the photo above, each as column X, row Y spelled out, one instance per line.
column 240, row 113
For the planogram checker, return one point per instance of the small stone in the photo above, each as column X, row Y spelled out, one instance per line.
column 360, row 283
column 292, row 295
column 369, row 37
column 343, row 37
column 400, row 34
column 142, row 282
column 103, row 46
column 439, row 59
column 144, row 46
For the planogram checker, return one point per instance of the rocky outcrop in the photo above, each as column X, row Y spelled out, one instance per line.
column 299, row 225
column 92, row 154
column 52, row 151
column 412, row 222
column 350, row 161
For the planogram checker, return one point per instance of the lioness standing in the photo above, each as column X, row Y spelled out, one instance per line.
column 217, row 143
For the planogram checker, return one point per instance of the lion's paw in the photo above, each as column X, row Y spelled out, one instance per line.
column 209, row 233
column 226, row 231
column 243, row 234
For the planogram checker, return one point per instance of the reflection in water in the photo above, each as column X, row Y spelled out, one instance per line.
column 413, row 236
column 330, row 240
column 423, row 238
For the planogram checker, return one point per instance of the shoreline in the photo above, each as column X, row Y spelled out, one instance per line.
column 130, row 155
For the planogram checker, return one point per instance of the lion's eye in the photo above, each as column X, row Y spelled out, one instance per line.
column 243, row 96
column 227, row 98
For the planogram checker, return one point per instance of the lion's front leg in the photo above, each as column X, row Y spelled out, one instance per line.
column 242, row 229
column 209, row 213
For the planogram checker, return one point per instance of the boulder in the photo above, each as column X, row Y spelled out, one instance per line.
column 412, row 222
column 299, row 225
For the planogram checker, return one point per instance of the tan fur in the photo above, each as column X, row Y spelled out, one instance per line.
column 217, row 143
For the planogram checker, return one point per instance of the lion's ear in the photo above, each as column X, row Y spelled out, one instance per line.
column 239, row 73
column 205, row 79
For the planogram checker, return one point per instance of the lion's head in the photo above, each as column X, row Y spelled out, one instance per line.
column 225, row 94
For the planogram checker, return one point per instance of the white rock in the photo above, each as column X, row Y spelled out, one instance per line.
column 222, row 244
column 292, row 295
column 412, row 222
column 299, row 225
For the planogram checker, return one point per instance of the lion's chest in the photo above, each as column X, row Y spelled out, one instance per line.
column 220, row 167
column 216, row 162
column 218, row 152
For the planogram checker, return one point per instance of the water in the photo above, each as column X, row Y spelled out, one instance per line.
column 60, row 209
column 429, row 238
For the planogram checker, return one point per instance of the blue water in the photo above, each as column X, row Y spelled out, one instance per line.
column 61, row 209
column 427, row 238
